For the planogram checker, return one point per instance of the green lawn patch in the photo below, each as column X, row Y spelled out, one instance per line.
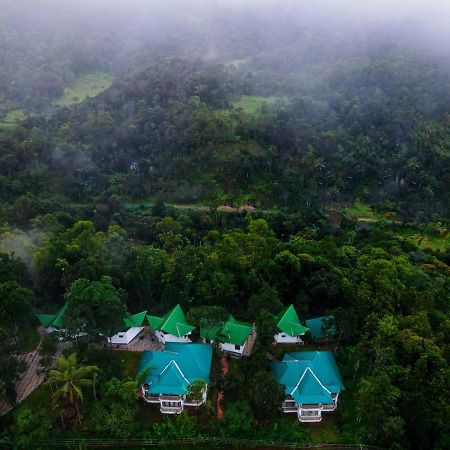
column 85, row 86
column 362, row 212
column 12, row 118
column 252, row 104
column 130, row 362
column 424, row 240
column 324, row 432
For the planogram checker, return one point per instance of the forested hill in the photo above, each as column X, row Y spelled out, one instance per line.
column 201, row 133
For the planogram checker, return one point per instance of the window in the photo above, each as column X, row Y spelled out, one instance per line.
column 171, row 404
column 283, row 335
column 237, row 347
column 310, row 413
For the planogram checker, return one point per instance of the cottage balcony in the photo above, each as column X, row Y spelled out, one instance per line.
column 171, row 409
column 289, row 406
column 310, row 419
column 329, row 407
column 310, row 413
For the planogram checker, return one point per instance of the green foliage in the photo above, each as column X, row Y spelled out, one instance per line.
column 94, row 307
column 237, row 419
column 178, row 427
column 31, row 427
column 265, row 395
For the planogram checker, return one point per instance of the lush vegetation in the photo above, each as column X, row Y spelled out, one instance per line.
column 312, row 170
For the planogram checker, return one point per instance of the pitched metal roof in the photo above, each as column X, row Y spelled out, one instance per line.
column 289, row 322
column 309, row 377
column 53, row 320
column 321, row 327
column 135, row 320
column 173, row 370
column 174, row 322
column 232, row 332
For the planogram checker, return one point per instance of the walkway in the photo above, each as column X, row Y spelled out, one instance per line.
column 250, row 342
column 224, row 364
column 29, row 380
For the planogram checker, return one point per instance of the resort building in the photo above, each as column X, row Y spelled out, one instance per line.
column 53, row 322
column 132, row 326
column 176, row 377
column 312, row 383
column 234, row 337
column 322, row 328
column 172, row 327
column 290, row 328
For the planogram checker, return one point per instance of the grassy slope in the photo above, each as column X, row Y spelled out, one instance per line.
column 252, row 104
column 12, row 118
column 87, row 85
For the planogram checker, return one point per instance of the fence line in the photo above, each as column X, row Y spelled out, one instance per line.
column 96, row 442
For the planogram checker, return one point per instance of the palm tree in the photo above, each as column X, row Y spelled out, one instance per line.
column 69, row 377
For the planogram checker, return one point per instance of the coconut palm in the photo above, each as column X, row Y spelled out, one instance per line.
column 69, row 377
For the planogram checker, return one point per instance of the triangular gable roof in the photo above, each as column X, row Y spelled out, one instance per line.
column 53, row 320
column 310, row 390
column 310, row 377
column 172, row 371
column 289, row 322
column 210, row 332
column 135, row 320
column 232, row 332
column 321, row 327
column 235, row 332
column 174, row 322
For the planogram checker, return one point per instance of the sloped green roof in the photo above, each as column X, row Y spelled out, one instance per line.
column 232, row 332
column 235, row 332
column 173, row 370
column 309, row 377
column 135, row 320
column 321, row 327
column 289, row 322
column 53, row 320
column 210, row 332
column 174, row 322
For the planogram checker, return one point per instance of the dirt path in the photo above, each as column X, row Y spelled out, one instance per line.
column 224, row 364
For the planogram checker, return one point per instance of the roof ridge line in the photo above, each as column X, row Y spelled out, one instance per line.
column 285, row 312
column 314, row 375
column 299, row 381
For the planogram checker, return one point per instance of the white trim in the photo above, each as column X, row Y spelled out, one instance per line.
column 179, row 370
column 314, row 375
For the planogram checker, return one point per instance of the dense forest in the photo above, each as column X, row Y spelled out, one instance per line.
column 243, row 159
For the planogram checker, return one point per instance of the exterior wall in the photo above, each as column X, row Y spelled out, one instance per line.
column 231, row 348
column 173, row 404
column 125, row 337
column 166, row 337
column 308, row 413
column 283, row 338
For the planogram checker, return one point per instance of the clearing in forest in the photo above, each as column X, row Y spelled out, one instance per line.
column 12, row 118
column 85, row 86
column 252, row 104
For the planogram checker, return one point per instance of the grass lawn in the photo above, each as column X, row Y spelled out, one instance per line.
column 130, row 362
column 324, row 432
column 12, row 118
column 362, row 212
column 85, row 86
column 252, row 104
column 422, row 240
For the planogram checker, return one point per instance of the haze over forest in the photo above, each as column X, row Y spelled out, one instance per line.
column 231, row 157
